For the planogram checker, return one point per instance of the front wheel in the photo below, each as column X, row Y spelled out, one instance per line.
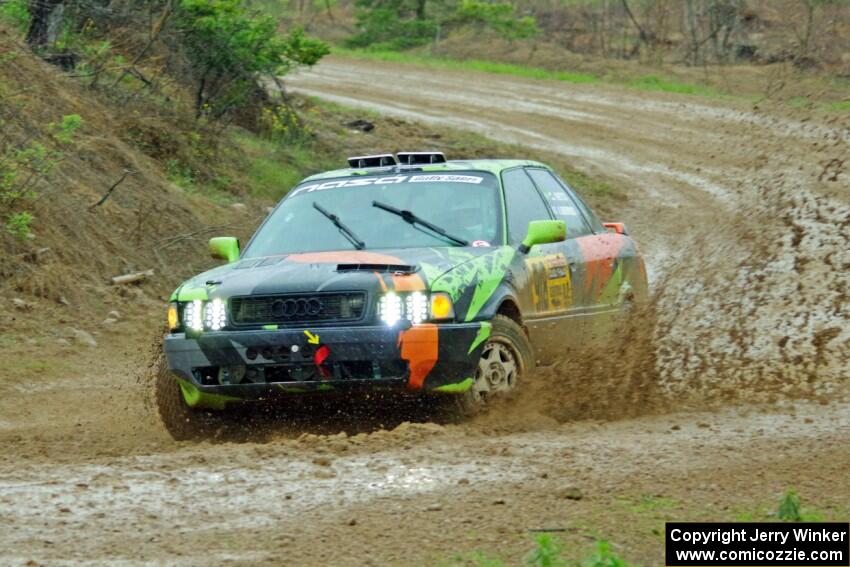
column 506, row 360
column 180, row 420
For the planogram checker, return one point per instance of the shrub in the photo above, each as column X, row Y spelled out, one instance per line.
column 547, row 553
column 789, row 507
column 603, row 556
column 65, row 130
column 408, row 23
column 15, row 12
column 228, row 46
column 18, row 224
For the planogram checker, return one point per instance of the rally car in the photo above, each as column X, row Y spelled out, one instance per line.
column 407, row 273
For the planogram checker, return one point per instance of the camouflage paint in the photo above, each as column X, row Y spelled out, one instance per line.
column 192, row 294
column 472, row 283
column 483, row 335
column 196, row 399
column 458, row 388
column 477, row 280
column 419, row 346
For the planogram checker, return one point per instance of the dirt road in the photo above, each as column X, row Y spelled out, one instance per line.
column 744, row 217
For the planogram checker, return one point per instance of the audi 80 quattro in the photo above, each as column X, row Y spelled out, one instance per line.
column 406, row 272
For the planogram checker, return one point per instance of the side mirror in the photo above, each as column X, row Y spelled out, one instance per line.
column 543, row 232
column 224, row 248
column 617, row 227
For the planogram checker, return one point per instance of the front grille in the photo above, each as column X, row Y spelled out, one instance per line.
column 301, row 308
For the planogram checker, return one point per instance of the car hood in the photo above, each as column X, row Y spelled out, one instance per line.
column 403, row 269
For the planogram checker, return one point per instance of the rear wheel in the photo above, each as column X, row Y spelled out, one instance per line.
column 180, row 420
column 506, row 360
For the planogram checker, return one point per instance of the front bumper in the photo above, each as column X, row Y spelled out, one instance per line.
column 423, row 357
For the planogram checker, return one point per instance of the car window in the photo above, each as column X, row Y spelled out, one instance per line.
column 589, row 215
column 465, row 204
column 561, row 202
column 523, row 204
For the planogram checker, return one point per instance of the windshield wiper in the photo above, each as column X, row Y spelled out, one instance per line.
column 410, row 218
column 344, row 230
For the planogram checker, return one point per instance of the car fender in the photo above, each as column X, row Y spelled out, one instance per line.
column 477, row 287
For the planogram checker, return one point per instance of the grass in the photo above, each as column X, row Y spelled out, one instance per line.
column 548, row 551
column 469, row 65
column 648, row 504
column 656, row 83
column 273, row 168
column 788, row 508
column 649, row 82
column 844, row 105
column 646, row 82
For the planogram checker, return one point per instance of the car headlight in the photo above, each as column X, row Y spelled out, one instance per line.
column 173, row 317
column 442, row 307
column 416, row 307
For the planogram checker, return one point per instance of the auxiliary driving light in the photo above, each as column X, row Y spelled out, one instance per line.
column 193, row 316
column 415, row 307
column 215, row 315
column 390, row 308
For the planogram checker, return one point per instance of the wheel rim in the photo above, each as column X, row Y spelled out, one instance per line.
column 498, row 369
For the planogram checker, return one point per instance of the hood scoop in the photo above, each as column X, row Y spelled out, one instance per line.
column 380, row 268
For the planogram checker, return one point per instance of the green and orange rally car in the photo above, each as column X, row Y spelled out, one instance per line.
column 404, row 272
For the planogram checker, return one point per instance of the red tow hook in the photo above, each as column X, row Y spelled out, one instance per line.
column 319, row 357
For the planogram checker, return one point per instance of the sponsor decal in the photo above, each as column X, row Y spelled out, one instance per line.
column 566, row 211
column 480, row 244
column 551, row 288
column 557, row 196
column 446, row 179
column 392, row 180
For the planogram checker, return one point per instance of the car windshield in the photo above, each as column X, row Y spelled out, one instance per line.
column 340, row 214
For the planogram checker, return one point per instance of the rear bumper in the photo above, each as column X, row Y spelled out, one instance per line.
column 424, row 357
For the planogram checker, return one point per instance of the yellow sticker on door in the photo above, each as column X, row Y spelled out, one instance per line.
column 551, row 289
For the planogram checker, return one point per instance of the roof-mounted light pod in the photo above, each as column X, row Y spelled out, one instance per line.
column 380, row 160
column 404, row 158
column 420, row 158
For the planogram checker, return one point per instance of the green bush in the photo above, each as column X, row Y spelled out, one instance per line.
column 22, row 167
column 18, row 224
column 603, row 556
column 65, row 130
column 789, row 507
column 408, row 23
column 391, row 28
column 228, row 46
column 15, row 12
column 500, row 17
column 547, row 553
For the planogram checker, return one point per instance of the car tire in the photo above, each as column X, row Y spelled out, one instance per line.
column 182, row 422
column 507, row 347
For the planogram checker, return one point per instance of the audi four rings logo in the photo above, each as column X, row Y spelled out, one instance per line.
column 288, row 308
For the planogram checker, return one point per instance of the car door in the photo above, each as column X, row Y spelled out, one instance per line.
column 544, row 282
column 603, row 257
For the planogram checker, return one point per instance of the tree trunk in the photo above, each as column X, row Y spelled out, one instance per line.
column 40, row 11
column 420, row 9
